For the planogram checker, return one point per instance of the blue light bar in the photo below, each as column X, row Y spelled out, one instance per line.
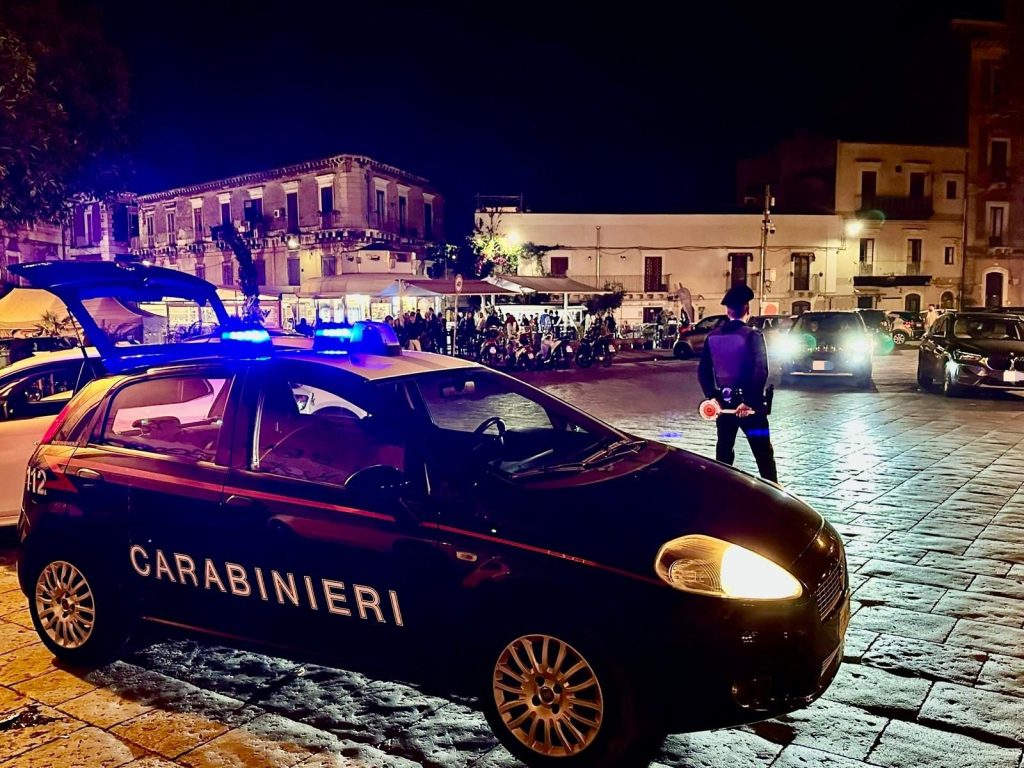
column 250, row 336
column 333, row 333
column 365, row 337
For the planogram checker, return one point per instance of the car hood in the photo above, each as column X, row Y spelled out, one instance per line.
column 646, row 501
column 989, row 346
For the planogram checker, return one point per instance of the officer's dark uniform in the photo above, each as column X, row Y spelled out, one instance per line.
column 734, row 369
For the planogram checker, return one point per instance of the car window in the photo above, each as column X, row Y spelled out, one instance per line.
column 463, row 403
column 170, row 415
column 320, row 428
column 81, row 412
column 837, row 323
column 47, row 384
column 707, row 324
column 987, row 328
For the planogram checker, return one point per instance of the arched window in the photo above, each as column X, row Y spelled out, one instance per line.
column 948, row 300
column 912, row 303
column 799, row 307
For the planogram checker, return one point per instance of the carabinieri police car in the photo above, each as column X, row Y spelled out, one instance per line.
column 351, row 498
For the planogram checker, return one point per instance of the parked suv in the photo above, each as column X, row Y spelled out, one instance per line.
column 905, row 326
column 691, row 342
column 972, row 350
column 827, row 344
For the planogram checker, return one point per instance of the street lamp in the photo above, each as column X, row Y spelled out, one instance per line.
column 854, row 227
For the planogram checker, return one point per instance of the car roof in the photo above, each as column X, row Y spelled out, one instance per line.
column 379, row 367
column 45, row 358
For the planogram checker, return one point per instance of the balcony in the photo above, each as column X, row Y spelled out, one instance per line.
column 630, row 283
column 330, row 219
column 995, row 241
column 896, row 207
column 891, row 274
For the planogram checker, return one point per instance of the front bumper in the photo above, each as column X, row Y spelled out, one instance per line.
column 983, row 377
column 828, row 365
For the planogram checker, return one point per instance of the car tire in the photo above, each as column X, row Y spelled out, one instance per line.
column 682, row 351
column 526, row 694
column 899, row 338
column 76, row 609
column 864, row 381
column 923, row 380
column 949, row 387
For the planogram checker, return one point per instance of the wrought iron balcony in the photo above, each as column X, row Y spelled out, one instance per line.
column 330, row 219
column 896, row 206
column 630, row 283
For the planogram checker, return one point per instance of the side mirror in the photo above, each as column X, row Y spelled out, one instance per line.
column 379, row 488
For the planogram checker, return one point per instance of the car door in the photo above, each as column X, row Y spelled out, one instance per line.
column 152, row 473
column 42, row 390
column 933, row 349
column 319, row 473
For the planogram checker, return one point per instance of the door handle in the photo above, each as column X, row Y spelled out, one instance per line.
column 89, row 475
column 241, row 502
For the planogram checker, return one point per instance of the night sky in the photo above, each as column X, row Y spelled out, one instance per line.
column 576, row 109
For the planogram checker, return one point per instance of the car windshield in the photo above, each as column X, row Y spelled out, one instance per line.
column 707, row 324
column 540, row 434
column 988, row 328
column 835, row 323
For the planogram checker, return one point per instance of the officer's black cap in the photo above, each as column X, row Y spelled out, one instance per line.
column 738, row 296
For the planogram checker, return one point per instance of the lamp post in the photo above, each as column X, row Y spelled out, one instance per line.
column 766, row 228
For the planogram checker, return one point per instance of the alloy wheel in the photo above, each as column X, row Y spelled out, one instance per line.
column 65, row 605
column 548, row 695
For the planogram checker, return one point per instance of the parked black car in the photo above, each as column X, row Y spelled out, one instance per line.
column 827, row 344
column 878, row 324
column 972, row 350
column 414, row 507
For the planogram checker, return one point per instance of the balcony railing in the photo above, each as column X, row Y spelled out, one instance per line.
column 84, row 241
column 891, row 268
column 630, row 283
column 330, row 219
column 897, row 207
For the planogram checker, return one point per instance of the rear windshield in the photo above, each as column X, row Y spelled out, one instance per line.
column 837, row 323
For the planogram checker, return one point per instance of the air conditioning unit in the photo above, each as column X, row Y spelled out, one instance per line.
column 279, row 213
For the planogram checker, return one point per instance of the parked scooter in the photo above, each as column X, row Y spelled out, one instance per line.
column 492, row 349
column 520, row 354
column 555, row 353
column 595, row 348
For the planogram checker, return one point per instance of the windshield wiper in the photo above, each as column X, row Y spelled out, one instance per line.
column 618, row 448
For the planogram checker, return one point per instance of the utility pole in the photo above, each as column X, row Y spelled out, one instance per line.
column 598, row 256
column 766, row 228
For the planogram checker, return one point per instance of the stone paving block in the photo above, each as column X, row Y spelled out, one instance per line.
column 1009, row 519
column 946, row 529
column 104, row 708
column 14, row 636
column 861, row 532
column 1010, row 588
column 981, row 607
column 945, row 544
column 170, row 734
column 453, row 733
column 916, row 574
column 993, row 638
column 1003, row 674
column 54, row 687
column 899, row 594
column 857, row 642
column 20, row 618
column 919, row 658
column 827, row 725
column 1016, row 571
column 994, row 717
column 896, row 621
column 976, row 565
column 718, row 749
column 150, row 761
column 348, row 754
column 12, row 601
column 267, row 740
column 11, row 700
column 887, row 551
column 878, row 691
column 1011, row 552
column 853, row 562
column 34, row 726
column 883, row 522
column 1002, row 533
column 908, row 745
column 805, row 757
column 86, row 747
column 29, row 661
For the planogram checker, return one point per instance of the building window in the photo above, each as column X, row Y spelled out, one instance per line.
column 559, row 266
column 89, row 240
column 133, row 224
column 992, row 77
column 381, row 202
column 227, row 272
column 948, row 300
column 225, row 213
column 914, row 245
column 868, row 184
column 292, row 210
column 799, row 307
column 261, row 271
column 172, row 229
column 652, row 274
column 949, row 254
column 294, row 272
column 252, row 213
column 403, row 208
column 738, row 268
column 328, row 266
column 200, row 271
column 951, row 189
column 996, row 224
column 867, row 255
column 327, row 207
column 197, row 224
column 917, row 184
column 912, row 302
column 150, row 229
column 428, row 221
column 802, row 271
column 998, row 157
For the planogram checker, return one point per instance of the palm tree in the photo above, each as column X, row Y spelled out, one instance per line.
column 248, row 278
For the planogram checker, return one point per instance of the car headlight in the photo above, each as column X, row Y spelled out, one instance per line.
column 787, row 346
column 859, row 345
column 708, row 566
column 967, row 357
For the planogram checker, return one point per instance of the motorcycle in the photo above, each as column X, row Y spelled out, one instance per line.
column 492, row 349
column 555, row 353
column 520, row 353
column 595, row 347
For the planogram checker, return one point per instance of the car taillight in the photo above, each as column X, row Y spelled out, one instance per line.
column 56, row 425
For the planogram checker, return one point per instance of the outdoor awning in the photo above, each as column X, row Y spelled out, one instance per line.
column 23, row 308
column 469, row 287
column 522, row 284
column 343, row 285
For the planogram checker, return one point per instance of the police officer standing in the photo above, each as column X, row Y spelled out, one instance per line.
column 734, row 370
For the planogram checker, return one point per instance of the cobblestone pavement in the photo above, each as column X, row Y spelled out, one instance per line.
column 926, row 492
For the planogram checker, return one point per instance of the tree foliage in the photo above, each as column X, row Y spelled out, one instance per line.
column 63, row 106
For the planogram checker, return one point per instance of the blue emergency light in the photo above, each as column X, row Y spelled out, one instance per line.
column 366, row 337
column 248, row 342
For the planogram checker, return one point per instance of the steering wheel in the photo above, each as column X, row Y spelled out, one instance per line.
column 494, row 421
